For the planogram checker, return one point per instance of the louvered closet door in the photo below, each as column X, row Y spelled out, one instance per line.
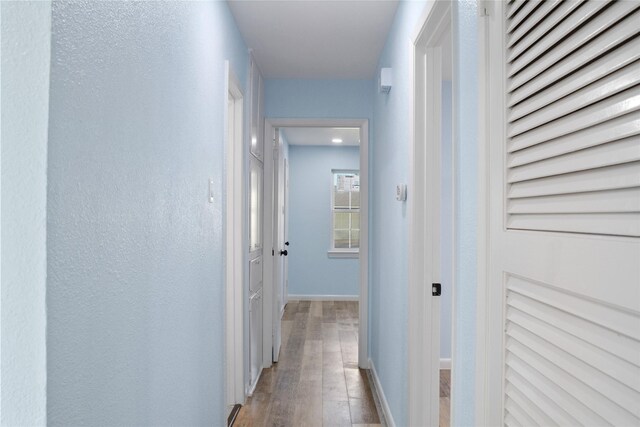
column 565, row 212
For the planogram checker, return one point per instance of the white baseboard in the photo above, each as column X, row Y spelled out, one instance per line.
column 445, row 363
column 323, row 297
column 383, row 399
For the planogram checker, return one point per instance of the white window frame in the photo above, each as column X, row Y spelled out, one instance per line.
column 341, row 252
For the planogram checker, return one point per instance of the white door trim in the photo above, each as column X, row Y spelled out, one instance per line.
column 424, row 212
column 278, row 245
column 234, row 241
column 269, row 318
column 485, row 104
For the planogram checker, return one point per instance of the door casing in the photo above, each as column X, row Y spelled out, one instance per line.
column 234, row 240
column 424, row 203
column 271, row 312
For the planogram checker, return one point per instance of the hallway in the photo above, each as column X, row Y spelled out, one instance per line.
column 316, row 381
column 493, row 228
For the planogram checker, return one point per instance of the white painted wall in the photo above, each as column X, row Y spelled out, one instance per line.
column 26, row 42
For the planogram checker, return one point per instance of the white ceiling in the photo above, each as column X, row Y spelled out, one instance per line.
column 321, row 136
column 315, row 39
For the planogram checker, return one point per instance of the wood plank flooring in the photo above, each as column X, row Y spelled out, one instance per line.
column 317, row 381
column 445, row 397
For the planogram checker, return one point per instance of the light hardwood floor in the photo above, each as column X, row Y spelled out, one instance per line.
column 317, row 381
column 445, row 397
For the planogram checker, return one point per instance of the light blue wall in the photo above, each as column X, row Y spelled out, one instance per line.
column 465, row 98
column 26, row 54
column 293, row 98
column 135, row 273
column 321, row 99
column 389, row 300
column 446, row 221
column 390, row 162
column 311, row 271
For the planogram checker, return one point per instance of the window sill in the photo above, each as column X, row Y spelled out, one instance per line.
column 332, row 253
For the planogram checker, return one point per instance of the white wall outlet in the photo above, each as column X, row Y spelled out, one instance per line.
column 210, row 190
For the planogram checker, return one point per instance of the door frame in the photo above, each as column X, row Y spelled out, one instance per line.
column 491, row 74
column 285, row 298
column 277, row 228
column 424, row 214
column 234, row 241
column 268, row 285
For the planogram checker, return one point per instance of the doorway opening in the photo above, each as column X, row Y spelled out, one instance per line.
column 315, row 281
column 432, row 213
column 275, row 236
column 317, row 233
column 446, row 227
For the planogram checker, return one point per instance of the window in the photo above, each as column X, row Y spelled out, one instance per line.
column 345, row 213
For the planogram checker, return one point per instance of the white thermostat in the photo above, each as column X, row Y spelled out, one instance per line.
column 386, row 80
column 401, row 192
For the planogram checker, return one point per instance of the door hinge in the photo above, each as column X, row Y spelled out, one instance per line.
column 436, row 289
column 273, row 252
column 484, row 8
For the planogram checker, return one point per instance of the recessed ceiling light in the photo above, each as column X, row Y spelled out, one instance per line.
column 336, row 140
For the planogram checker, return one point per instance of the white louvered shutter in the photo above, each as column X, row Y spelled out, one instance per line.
column 574, row 116
column 564, row 213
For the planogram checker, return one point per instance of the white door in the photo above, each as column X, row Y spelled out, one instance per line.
column 563, row 254
column 255, row 325
column 285, row 238
column 255, row 269
column 430, row 260
column 256, row 221
column 280, row 251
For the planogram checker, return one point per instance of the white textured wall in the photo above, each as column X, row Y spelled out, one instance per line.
column 26, row 38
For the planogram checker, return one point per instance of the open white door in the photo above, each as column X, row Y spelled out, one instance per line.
column 284, row 230
column 280, row 251
column 560, row 312
column 425, row 223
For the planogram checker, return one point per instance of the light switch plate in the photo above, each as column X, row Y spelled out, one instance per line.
column 401, row 192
